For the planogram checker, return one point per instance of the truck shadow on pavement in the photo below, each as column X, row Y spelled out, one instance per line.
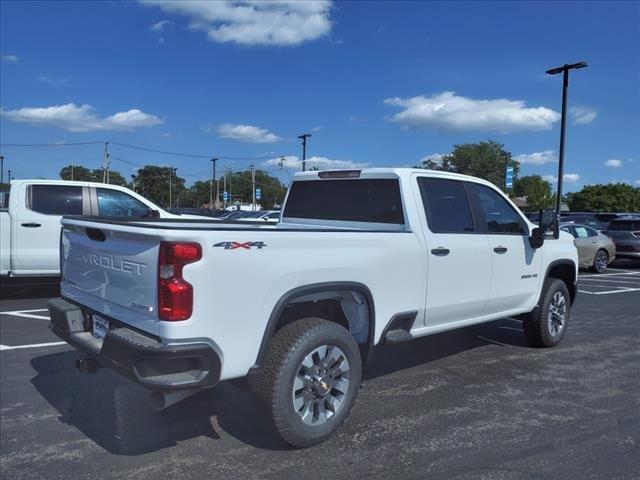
column 114, row 413
column 19, row 289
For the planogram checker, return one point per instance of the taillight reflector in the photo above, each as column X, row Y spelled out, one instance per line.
column 175, row 294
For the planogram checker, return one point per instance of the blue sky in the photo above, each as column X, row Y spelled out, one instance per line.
column 376, row 83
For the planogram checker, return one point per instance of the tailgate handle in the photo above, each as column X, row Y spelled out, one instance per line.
column 31, row 225
column 96, row 234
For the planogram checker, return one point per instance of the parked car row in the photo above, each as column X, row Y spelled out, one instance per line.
column 266, row 215
column 30, row 223
column 600, row 237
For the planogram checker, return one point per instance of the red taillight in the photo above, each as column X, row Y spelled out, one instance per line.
column 175, row 294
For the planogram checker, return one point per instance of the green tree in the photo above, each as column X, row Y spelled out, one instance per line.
column 536, row 190
column 152, row 181
column 240, row 187
column 484, row 160
column 115, row 177
column 612, row 197
column 76, row 172
column 83, row 174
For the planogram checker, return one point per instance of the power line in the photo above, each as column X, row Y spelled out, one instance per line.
column 61, row 144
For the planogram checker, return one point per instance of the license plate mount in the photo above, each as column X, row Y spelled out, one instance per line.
column 100, row 326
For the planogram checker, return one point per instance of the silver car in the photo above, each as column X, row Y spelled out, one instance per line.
column 595, row 250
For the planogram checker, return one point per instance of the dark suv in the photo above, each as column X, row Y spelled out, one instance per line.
column 625, row 233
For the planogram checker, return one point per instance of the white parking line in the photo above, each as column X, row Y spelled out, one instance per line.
column 28, row 313
column 34, row 345
column 632, row 281
column 608, row 274
column 623, row 289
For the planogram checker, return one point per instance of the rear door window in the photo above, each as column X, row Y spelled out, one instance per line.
column 362, row 200
column 114, row 203
column 56, row 199
column 446, row 205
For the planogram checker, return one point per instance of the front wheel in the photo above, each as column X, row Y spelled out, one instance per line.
column 547, row 323
column 600, row 261
column 310, row 380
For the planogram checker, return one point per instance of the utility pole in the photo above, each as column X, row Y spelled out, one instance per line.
column 224, row 188
column 105, row 164
column 253, row 185
column 1, row 169
column 213, row 179
column 563, row 125
column 170, row 180
column 304, row 137
column 72, row 171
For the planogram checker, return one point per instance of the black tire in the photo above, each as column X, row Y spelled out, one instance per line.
column 288, row 348
column 541, row 325
column 600, row 264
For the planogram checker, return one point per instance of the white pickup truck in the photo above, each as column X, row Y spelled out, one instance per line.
column 30, row 224
column 360, row 257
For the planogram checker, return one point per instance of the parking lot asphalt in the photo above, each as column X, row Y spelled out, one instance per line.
column 468, row 404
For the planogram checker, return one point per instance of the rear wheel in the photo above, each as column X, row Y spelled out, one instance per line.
column 310, row 380
column 547, row 323
column 600, row 261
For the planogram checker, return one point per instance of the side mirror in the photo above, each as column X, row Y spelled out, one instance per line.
column 536, row 240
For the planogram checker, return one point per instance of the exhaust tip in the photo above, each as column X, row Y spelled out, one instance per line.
column 159, row 400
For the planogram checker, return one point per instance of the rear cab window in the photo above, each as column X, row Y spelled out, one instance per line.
column 365, row 200
column 55, row 199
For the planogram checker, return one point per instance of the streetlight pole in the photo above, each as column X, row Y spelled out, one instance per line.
column 304, row 137
column 563, row 125
column 1, row 170
column 213, row 179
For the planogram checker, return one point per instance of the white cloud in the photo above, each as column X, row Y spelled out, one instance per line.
column 537, row 158
column 582, row 115
column 252, row 22
column 160, row 26
column 613, row 163
column 57, row 82
column 74, row 118
column 316, row 129
column 247, row 133
column 9, row 58
column 637, row 182
column 292, row 162
column 448, row 111
column 567, row 178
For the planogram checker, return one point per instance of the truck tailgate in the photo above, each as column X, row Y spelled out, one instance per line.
column 111, row 269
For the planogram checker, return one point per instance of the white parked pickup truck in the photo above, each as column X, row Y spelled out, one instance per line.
column 360, row 257
column 30, row 224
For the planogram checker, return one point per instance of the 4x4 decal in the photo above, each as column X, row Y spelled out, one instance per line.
column 241, row 245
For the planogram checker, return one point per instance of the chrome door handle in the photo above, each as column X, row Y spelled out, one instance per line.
column 440, row 251
column 31, row 225
column 500, row 250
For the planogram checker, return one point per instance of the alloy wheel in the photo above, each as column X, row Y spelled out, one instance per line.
column 556, row 317
column 320, row 385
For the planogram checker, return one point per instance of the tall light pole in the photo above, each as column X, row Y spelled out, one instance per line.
column 564, row 69
column 213, row 179
column 1, row 169
column 253, row 185
column 304, row 137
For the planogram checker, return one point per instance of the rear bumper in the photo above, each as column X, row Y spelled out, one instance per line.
column 138, row 356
